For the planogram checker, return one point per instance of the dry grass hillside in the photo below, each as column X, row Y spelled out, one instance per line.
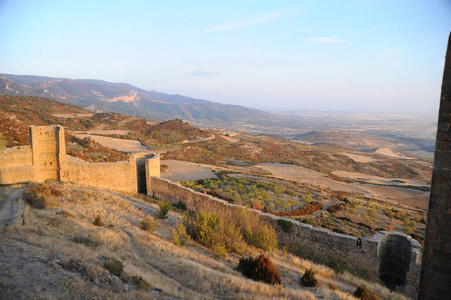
column 18, row 112
column 59, row 253
column 325, row 159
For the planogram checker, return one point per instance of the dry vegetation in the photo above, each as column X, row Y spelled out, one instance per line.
column 347, row 213
column 272, row 149
column 59, row 253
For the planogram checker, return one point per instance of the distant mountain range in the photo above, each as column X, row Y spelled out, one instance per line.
column 102, row 96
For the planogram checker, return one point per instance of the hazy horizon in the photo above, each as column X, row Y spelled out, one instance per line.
column 352, row 56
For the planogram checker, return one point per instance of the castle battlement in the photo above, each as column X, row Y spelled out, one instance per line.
column 47, row 159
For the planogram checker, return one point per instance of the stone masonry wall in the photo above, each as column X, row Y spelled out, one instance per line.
column 152, row 168
column 322, row 242
column 435, row 282
column 47, row 159
column 16, row 165
column 49, row 151
column 119, row 176
column 16, row 157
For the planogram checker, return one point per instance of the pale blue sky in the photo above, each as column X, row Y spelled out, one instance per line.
column 349, row 55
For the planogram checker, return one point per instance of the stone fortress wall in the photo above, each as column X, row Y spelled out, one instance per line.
column 387, row 254
column 47, row 159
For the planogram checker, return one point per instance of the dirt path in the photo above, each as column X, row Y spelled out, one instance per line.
column 11, row 209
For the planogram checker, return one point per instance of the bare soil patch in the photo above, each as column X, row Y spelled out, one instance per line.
column 65, row 116
column 104, row 132
column 308, row 176
column 360, row 158
column 410, row 197
column 377, row 179
column 182, row 170
column 118, row 144
column 391, row 153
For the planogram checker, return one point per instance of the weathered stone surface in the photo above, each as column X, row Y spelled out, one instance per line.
column 46, row 159
column 435, row 280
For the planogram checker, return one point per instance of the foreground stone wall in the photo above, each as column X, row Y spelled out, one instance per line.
column 362, row 254
column 119, row 176
column 16, row 165
column 436, row 270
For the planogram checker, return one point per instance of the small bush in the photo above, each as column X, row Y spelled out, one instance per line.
column 336, row 263
column 264, row 237
column 148, row 224
column 98, row 221
column 179, row 235
column 140, row 283
column 371, row 212
column 286, row 225
column 114, row 266
column 180, row 205
column 334, row 208
column 163, row 210
column 202, row 226
column 364, row 294
column 87, row 241
column 34, row 198
column 259, row 269
column 308, row 279
column 308, row 198
column 38, row 195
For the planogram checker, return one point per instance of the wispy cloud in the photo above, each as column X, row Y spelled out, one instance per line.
column 204, row 73
column 320, row 40
column 235, row 24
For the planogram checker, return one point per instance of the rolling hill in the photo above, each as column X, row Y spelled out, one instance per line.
column 102, row 96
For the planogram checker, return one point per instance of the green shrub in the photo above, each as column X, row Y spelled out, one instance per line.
column 202, row 226
column 114, row 266
column 364, row 294
column 148, row 224
column 179, row 235
column 163, row 210
column 259, row 269
column 255, row 231
column 180, row 205
column 230, row 233
column 227, row 237
column 308, row 198
column 286, row 225
column 308, row 279
column 264, row 237
column 98, row 221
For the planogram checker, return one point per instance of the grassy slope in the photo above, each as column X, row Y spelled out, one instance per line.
column 43, row 257
column 17, row 113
